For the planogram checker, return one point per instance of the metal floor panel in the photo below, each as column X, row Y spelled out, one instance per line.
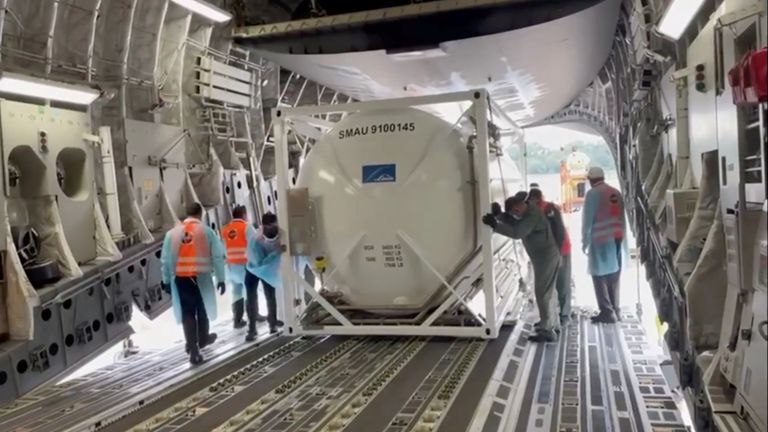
column 120, row 386
column 595, row 378
column 379, row 412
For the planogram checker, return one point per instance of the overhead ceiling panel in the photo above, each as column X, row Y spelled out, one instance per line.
column 532, row 72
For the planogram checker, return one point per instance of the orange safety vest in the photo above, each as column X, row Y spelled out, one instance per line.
column 194, row 256
column 609, row 218
column 236, row 241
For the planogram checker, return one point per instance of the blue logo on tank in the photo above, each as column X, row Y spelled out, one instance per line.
column 379, row 173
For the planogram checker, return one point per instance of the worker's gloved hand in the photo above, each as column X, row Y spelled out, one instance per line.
column 222, row 288
column 165, row 287
column 585, row 249
column 490, row 220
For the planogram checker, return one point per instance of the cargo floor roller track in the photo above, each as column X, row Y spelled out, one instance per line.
column 597, row 378
column 125, row 385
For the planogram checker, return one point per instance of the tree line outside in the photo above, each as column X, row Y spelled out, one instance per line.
column 546, row 160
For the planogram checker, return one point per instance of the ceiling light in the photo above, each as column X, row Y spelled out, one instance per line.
column 44, row 89
column 677, row 17
column 205, row 9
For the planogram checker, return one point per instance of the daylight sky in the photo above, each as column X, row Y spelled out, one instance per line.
column 556, row 136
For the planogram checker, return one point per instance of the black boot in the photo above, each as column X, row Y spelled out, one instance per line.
column 543, row 336
column 251, row 335
column 195, row 358
column 209, row 340
column 238, row 309
column 604, row 319
column 274, row 323
column 190, row 335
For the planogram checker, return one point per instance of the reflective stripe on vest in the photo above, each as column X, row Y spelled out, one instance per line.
column 194, row 255
column 609, row 218
column 236, row 241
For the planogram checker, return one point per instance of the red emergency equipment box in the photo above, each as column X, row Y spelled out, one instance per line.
column 757, row 69
column 749, row 78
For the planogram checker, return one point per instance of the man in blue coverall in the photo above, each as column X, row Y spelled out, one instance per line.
column 192, row 255
column 235, row 235
column 604, row 240
column 264, row 251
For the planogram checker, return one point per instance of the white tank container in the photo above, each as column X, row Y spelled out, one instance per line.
column 378, row 173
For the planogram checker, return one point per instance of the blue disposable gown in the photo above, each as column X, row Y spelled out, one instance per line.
column 236, row 272
column 603, row 258
column 264, row 258
column 205, row 280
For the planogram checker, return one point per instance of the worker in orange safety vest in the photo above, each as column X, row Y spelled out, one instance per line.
column 192, row 254
column 235, row 235
column 604, row 240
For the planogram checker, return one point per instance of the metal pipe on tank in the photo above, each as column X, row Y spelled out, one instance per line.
column 473, row 184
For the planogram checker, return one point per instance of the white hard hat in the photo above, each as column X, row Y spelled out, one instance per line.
column 595, row 173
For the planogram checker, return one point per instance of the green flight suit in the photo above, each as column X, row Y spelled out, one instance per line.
column 533, row 228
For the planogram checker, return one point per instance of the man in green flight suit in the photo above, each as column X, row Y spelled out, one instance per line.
column 527, row 222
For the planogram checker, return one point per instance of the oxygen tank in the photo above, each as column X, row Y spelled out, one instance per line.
column 393, row 195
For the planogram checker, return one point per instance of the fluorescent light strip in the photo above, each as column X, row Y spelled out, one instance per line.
column 205, row 9
column 677, row 17
column 44, row 89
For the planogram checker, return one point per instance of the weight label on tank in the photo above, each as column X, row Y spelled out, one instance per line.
column 390, row 255
column 393, row 257
column 381, row 128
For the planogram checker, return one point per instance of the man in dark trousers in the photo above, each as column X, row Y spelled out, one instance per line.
column 264, row 252
column 604, row 241
column 192, row 254
column 235, row 235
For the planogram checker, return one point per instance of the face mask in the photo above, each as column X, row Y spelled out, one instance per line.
column 516, row 216
column 270, row 232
